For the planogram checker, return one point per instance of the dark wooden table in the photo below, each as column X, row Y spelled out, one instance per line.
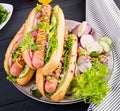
column 12, row 99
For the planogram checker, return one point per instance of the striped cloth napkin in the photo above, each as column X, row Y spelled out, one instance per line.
column 104, row 16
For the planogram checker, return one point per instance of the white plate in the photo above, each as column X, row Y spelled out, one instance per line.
column 9, row 8
column 70, row 25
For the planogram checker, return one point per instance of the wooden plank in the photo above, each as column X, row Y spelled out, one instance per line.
column 32, row 105
column 8, row 93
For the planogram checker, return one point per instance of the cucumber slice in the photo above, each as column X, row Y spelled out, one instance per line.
column 105, row 46
column 106, row 39
column 24, row 72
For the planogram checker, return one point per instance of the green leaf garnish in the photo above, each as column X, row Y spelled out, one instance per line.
column 3, row 14
column 45, row 26
column 35, row 93
column 53, row 43
column 94, row 54
column 28, row 43
column 38, row 7
column 16, row 53
column 67, row 48
column 11, row 78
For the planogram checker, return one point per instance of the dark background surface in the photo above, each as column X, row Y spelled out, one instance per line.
column 10, row 98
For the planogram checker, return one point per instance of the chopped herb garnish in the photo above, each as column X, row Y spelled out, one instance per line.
column 3, row 14
column 45, row 26
column 11, row 78
column 35, row 93
column 17, row 53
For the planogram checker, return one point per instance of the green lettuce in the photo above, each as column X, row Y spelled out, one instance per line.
column 3, row 14
column 53, row 43
column 28, row 43
column 91, row 85
column 11, row 78
column 67, row 48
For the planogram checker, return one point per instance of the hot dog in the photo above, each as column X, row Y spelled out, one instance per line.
column 44, row 25
column 55, row 84
column 47, row 26
column 14, row 64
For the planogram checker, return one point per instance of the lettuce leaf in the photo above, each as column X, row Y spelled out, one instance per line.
column 53, row 43
column 67, row 48
column 91, row 85
column 11, row 78
column 28, row 43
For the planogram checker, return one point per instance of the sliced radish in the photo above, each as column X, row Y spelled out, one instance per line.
column 83, row 59
column 82, row 29
column 86, row 39
column 87, row 30
column 105, row 46
column 103, row 59
column 75, row 30
column 82, row 67
column 94, row 47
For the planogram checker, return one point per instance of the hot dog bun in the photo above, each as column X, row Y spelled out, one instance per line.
column 60, row 93
column 27, row 78
column 8, row 58
column 56, row 55
column 9, row 49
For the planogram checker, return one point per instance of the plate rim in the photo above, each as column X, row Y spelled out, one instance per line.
column 62, row 102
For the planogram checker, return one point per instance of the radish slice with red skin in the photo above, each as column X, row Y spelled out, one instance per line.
column 94, row 46
column 86, row 39
column 82, row 67
column 82, row 29
column 85, row 29
column 75, row 30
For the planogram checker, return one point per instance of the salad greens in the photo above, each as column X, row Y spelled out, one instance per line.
column 28, row 43
column 3, row 14
column 51, row 38
column 11, row 78
column 91, row 85
column 67, row 47
column 38, row 7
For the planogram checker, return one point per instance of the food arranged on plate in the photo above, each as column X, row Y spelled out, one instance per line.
column 66, row 63
column 5, row 13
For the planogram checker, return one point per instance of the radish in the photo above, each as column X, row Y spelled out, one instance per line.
column 82, row 29
column 86, row 39
column 87, row 29
column 94, row 47
column 85, row 65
